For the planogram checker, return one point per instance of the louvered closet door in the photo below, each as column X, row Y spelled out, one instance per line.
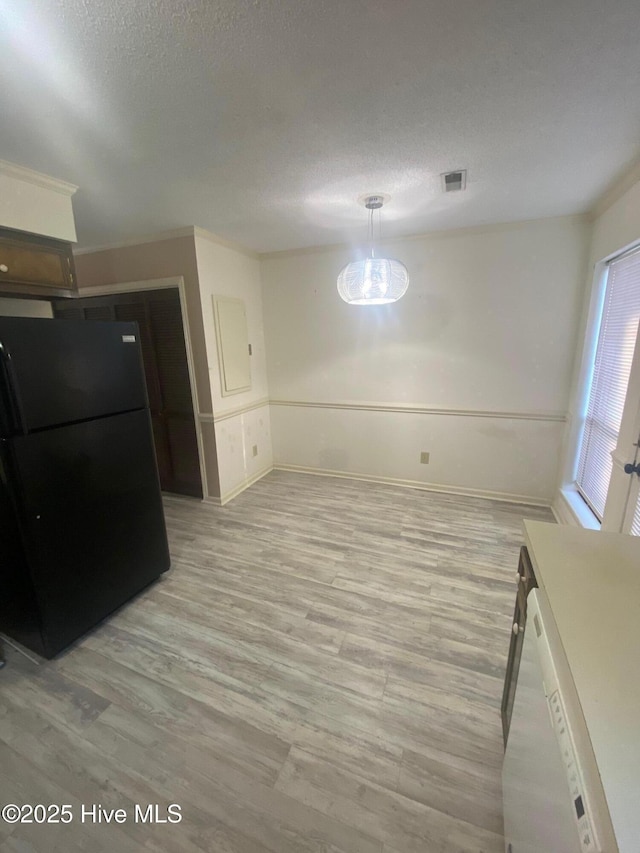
column 164, row 355
column 138, row 311
column 165, row 319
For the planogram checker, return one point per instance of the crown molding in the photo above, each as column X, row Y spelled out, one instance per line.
column 38, row 179
column 202, row 233
column 174, row 234
column 428, row 235
column 129, row 286
column 222, row 241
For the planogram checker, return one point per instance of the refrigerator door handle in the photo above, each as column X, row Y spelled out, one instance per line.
column 12, row 390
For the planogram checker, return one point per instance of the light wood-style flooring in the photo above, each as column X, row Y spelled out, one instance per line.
column 320, row 672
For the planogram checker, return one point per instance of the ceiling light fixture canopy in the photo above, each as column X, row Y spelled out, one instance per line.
column 373, row 281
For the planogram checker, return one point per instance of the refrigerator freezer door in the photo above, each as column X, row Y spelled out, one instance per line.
column 19, row 612
column 62, row 371
column 92, row 521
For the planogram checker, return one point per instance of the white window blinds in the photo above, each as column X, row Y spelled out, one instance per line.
column 614, row 353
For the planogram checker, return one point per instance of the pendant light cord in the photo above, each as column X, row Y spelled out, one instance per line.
column 371, row 237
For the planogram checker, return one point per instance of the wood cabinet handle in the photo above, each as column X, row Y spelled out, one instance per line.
column 517, row 629
column 4, row 268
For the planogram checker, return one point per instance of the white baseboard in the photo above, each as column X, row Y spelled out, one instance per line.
column 233, row 493
column 557, row 515
column 563, row 512
column 416, row 484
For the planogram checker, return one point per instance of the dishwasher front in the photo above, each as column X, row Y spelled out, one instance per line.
column 547, row 806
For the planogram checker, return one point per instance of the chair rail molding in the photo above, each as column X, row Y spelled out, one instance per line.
column 419, row 409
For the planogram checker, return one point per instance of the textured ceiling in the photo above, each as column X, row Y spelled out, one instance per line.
column 264, row 120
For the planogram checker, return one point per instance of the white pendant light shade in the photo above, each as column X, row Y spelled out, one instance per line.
column 373, row 281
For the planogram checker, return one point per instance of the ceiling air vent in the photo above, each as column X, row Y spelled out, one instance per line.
column 454, row 181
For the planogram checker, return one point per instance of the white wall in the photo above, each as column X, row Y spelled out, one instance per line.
column 614, row 228
column 10, row 307
column 487, row 332
column 241, row 420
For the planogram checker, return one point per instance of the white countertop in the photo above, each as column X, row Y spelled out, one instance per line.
column 592, row 582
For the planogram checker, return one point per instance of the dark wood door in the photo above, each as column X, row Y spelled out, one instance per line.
column 164, row 354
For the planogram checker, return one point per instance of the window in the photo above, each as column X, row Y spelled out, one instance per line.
column 612, row 366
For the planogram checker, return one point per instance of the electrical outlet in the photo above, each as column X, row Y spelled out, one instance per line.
column 255, row 449
column 424, row 458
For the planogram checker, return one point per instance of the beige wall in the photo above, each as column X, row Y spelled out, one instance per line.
column 154, row 260
column 473, row 365
column 241, row 421
column 487, row 331
column 230, row 427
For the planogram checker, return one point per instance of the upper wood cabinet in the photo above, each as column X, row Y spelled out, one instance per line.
column 35, row 266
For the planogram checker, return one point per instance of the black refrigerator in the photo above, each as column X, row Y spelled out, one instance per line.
column 81, row 521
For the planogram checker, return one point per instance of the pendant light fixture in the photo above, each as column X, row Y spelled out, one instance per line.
column 373, row 281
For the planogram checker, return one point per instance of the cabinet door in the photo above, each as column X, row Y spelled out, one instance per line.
column 526, row 582
column 525, row 571
column 34, row 265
